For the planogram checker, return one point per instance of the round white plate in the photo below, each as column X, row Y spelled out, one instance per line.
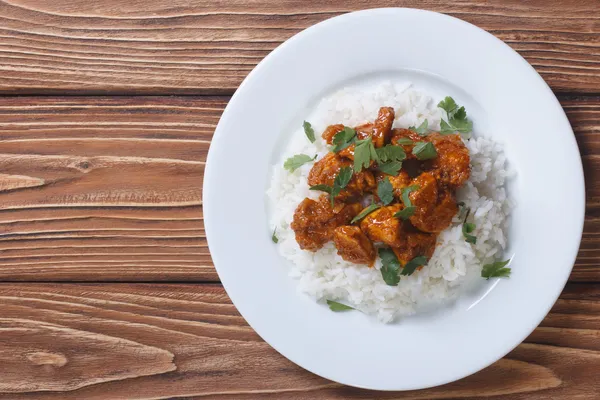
column 503, row 94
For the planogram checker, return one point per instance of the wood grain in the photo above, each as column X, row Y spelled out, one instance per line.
column 208, row 47
column 173, row 341
column 109, row 188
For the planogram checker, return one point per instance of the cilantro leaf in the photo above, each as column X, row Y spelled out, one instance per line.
column 385, row 191
column 405, row 192
column 309, row 131
column 496, row 270
column 322, row 188
column 335, row 306
column 340, row 182
column 412, row 265
column 406, row 212
column 457, row 118
column 424, row 151
column 343, row 177
column 460, row 114
column 467, row 228
column 421, row 129
column 343, row 139
column 445, row 128
column 274, row 237
column 390, row 267
column 448, row 105
column 390, row 167
column 364, row 152
column 390, row 153
column 365, row 212
column 405, row 141
column 295, row 162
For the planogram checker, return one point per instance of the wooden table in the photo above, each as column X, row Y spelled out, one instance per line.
column 107, row 290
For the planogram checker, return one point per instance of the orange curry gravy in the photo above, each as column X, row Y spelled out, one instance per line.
column 316, row 222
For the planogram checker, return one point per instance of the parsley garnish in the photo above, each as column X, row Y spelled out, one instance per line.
column 365, row 212
column 274, row 236
column 390, row 267
column 390, row 167
column 405, row 192
column 364, row 152
column 406, row 212
column 412, row 265
column 343, row 139
column 335, row 306
column 340, row 182
column 385, row 191
column 424, row 151
column 421, row 129
column 309, row 131
column 295, row 162
column 390, row 153
column 496, row 270
column 467, row 228
column 405, row 141
column 457, row 117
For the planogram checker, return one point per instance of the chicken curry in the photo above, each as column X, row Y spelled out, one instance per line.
column 382, row 187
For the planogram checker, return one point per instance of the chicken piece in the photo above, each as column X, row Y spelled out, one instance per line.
column 398, row 182
column 364, row 131
column 353, row 245
column 452, row 164
column 326, row 169
column 315, row 220
column 435, row 207
column 382, row 127
column 331, row 131
column 382, row 226
column 414, row 244
column 398, row 134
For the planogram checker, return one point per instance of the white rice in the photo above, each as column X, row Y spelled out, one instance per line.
column 455, row 263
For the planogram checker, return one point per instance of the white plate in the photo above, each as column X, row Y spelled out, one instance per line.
column 504, row 94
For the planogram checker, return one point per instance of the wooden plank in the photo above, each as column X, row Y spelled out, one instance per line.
column 140, row 341
column 109, row 188
column 158, row 47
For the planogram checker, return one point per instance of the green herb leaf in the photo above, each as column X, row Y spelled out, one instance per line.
column 467, row 228
column 309, row 131
column 448, row 105
column 390, row 167
column 421, row 129
column 295, row 162
column 405, row 192
column 496, row 270
column 364, row 152
column 385, row 191
column 364, row 213
column 335, row 306
column 390, row 267
column 424, row 151
column 343, row 139
column 390, row 153
column 412, row 265
column 446, row 128
column 405, row 141
column 460, row 114
column 406, row 212
column 457, row 118
column 340, row 182
column 343, row 177
column 274, row 236
column 322, row 188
